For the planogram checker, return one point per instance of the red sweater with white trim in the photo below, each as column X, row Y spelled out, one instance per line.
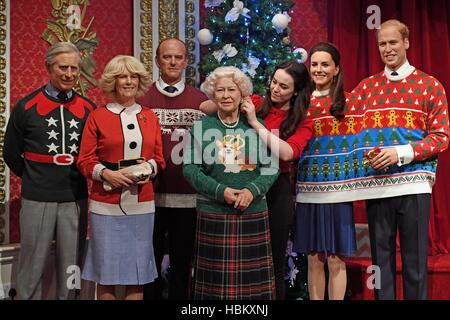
column 113, row 133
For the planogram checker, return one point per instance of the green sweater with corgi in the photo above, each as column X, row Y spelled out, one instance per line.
column 217, row 156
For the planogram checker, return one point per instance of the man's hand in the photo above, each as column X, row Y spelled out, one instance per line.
column 386, row 158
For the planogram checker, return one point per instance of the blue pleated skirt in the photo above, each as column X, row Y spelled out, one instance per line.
column 120, row 250
column 326, row 228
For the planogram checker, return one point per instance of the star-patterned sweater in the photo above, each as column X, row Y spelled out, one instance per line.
column 384, row 113
column 42, row 143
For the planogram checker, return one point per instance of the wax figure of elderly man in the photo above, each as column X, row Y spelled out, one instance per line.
column 177, row 106
column 41, row 147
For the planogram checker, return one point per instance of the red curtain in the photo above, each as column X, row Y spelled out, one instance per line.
column 429, row 24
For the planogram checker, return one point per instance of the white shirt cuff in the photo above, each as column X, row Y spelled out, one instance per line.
column 405, row 154
column 154, row 166
column 96, row 172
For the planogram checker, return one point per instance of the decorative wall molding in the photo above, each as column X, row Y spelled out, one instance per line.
column 143, row 33
column 4, row 116
column 156, row 20
column 192, row 22
column 168, row 19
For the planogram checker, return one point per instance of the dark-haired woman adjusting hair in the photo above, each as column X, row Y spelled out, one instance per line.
column 288, row 131
column 324, row 223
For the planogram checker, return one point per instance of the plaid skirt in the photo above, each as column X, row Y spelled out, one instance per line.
column 233, row 257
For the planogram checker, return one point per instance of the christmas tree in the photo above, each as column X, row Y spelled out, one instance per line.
column 252, row 35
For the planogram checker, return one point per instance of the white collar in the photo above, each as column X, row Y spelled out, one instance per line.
column 160, row 85
column 404, row 71
column 117, row 108
column 323, row 93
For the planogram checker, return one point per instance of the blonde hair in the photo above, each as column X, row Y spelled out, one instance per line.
column 117, row 66
column 59, row 48
column 237, row 76
column 401, row 27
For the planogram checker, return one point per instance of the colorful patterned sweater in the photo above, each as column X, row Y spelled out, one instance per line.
column 328, row 158
column 219, row 157
column 383, row 113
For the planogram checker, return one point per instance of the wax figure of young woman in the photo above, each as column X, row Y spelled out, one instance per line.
column 325, row 228
column 288, row 131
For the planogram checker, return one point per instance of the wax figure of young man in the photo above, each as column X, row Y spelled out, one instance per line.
column 407, row 110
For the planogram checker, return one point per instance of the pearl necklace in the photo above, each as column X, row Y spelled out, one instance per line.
column 232, row 126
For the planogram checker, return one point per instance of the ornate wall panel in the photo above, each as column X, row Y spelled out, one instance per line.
column 156, row 20
column 4, row 113
column 192, row 17
column 143, row 34
column 168, row 19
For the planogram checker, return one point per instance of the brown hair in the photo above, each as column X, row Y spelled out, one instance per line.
column 299, row 102
column 337, row 86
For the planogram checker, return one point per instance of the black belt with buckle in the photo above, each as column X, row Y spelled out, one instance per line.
column 121, row 164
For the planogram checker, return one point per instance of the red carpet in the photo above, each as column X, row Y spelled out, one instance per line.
column 438, row 278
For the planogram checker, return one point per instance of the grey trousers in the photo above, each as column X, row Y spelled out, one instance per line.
column 40, row 224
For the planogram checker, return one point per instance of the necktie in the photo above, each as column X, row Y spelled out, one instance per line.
column 394, row 73
column 63, row 96
column 170, row 89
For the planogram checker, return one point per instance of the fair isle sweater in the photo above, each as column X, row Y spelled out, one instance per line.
column 218, row 157
column 176, row 115
column 328, row 158
column 385, row 113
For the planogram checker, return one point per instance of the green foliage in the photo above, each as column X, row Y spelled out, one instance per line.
column 252, row 37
